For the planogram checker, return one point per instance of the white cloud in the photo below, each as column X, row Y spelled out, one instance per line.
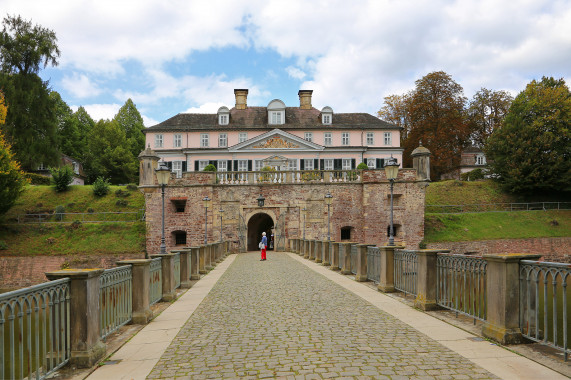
column 205, row 108
column 100, row 111
column 80, row 86
column 295, row 72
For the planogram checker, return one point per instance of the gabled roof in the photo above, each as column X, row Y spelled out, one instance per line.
column 256, row 118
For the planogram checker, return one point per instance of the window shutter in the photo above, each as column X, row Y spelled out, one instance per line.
column 184, row 166
column 321, row 164
column 212, row 162
column 301, row 164
column 196, row 165
column 235, row 165
column 229, row 165
column 353, row 163
column 169, row 165
column 316, row 163
column 337, row 164
column 249, row 165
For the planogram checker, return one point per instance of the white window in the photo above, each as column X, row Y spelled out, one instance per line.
column 345, row 138
column 204, row 140
column 370, row 138
column 258, row 165
column 223, row 140
column 308, row 164
column 371, row 163
column 177, row 168
column 177, row 142
column 243, row 136
column 41, row 166
column 327, row 140
column 223, row 119
column 480, row 160
column 326, row 119
column 158, row 141
column 388, row 138
column 242, row 165
column 328, row 164
column 309, row 136
column 202, row 164
column 76, row 168
column 346, row 164
column 276, row 117
column 222, row 165
column 292, row 164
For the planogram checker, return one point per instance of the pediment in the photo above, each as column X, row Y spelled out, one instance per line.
column 276, row 139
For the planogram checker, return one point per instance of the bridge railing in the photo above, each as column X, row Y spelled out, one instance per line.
column 35, row 330
column 405, row 267
column 115, row 302
column 487, row 207
column 374, row 264
column 155, row 281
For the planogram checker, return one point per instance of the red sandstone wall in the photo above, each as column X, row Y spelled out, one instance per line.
column 552, row 249
column 363, row 206
column 23, row 271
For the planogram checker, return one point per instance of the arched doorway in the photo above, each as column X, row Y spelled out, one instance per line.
column 257, row 224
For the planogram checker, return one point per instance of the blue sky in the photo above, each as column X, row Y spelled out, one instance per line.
column 188, row 56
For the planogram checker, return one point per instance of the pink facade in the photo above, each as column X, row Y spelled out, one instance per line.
column 246, row 138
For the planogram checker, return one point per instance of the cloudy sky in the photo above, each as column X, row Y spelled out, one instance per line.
column 188, row 56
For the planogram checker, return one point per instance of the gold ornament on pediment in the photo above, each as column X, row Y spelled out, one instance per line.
column 276, row 142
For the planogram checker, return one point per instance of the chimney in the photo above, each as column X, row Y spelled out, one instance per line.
column 241, row 98
column 305, row 99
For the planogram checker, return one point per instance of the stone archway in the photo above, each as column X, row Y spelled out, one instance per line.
column 258, row 223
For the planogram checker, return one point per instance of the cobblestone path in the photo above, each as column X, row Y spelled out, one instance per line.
column 278, row 318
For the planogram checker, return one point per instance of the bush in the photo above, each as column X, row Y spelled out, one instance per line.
column 472, row 175
column 121, row 193
column 121, row 202
column 209, row 168
column 60, row 210
column 422, row 244
column 362, row 166
column 132, row 187
column 37, row 179
column 101, row 187
column 90, row 210
column 62, row 177
column 3, row 245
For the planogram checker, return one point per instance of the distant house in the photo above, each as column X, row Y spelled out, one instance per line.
column 471, row 158
column 79, row 175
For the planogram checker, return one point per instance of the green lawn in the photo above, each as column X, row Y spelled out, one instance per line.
column 463, row 193
column 496, row 225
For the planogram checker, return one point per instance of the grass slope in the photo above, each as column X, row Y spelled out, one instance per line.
column 68, row 238
column 464, row 193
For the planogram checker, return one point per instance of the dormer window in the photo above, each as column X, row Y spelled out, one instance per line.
column 480, row 159
column 223, row 115
column 276, row 112
column 327, row 115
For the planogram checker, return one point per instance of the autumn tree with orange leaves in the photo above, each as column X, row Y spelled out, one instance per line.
column 12, row 180
column 434, row 114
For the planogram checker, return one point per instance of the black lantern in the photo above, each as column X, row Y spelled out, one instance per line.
column 261, row 200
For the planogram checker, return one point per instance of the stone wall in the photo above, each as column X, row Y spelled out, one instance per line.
column 23, row 271
column 552, row 249
column 364, row 206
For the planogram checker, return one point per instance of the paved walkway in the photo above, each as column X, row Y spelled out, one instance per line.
column 290, row 318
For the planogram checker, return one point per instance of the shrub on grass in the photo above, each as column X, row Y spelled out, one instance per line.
column 62, row 177
column 3, row 245
column 59, row 211
column 121, row 202
column 121, row 193
column 101, row 187
column 37, row 179
column 132, row 187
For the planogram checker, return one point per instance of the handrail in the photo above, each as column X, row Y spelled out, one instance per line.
column 83, row 217
column 496, row 207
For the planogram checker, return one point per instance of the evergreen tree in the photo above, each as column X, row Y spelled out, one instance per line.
column 69, row 139
column 131, row 121
column 85, row 125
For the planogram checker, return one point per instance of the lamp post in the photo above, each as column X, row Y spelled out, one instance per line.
column 206, row 202
column 328, row 199
column 163, row 174
column 261, row 200
column 303, row 212
column 221, row 211
column 392, row 171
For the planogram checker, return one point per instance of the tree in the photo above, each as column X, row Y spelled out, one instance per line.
column 84, row 125
column 436, row 117
column 396, row 111
column 68, row 136
column 486, row 112
column 131, row 121
column 31, row 122
column 109, row 154
column 24, row 48
column 62, row 177
column 12, row 179
column 531, row 152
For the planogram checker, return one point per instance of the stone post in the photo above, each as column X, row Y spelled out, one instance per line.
column 194, row 263
column 140, row 279
column 318, row 251
column 326, row 247
column 426, row 279
column 312, row 249
column 387, row 275
column 361, row 275
column 335, row 256
column 202, row 260
column 86, row 345
column 185, row 268
column 346, row 265
column 207, row 258
column 305, row 248
column 169, row 290
column 502, row 299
